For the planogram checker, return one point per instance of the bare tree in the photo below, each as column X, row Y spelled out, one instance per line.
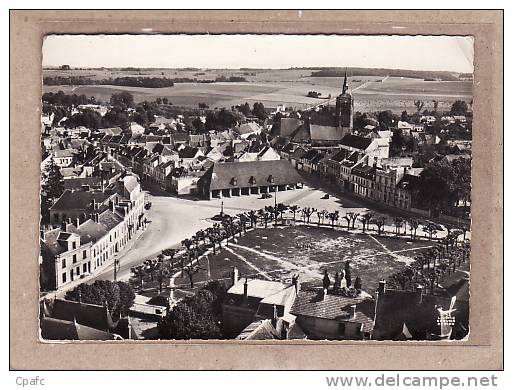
column 366, row 219
column 418, row 105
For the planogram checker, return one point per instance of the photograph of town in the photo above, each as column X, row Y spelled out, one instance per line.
column 255, row 187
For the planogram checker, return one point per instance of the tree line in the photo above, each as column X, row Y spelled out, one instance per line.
column 135, row 81
column 145, row 82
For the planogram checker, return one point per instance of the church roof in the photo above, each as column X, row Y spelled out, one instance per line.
column 325, row 133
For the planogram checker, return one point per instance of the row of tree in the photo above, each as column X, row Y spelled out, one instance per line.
column 61, row 99
column 432, row 266
column 133, row 81
column 257, row 111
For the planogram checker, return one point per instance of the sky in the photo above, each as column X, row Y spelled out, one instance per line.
column 447, row 53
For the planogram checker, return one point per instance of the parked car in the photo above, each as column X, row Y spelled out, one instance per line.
column 266, row 196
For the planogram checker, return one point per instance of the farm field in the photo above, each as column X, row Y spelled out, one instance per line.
column 275, row 87
column 276, row 254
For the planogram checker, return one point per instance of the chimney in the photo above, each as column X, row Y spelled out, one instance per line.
column 274, row 321
column 324, row 294
column 64, row 226
column 382, row 286
column 246, row 288
column 353, row 311
column 235, row 275
column 418, row 293
column 295, row 284
column 94, row 204
column 111, row 205
column 76, row 222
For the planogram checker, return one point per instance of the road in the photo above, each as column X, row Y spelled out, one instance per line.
column 171, row 221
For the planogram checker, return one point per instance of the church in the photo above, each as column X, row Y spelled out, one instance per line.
column 344, row 109
column 329, row 132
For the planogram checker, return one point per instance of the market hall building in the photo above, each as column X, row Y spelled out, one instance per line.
column 248, row 178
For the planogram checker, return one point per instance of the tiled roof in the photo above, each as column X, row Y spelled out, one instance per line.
column 298, row 153
column 257, row 288
column 302, row 134
column 109, row 219
column 259, row 330
column 51, row 242
column 90, row 231
column 408, row 182
column 279, row 298
column 362, row 170
column 355, row 141
column 340, row 155
column 248, row 173
column 289, row 125
column 247, row 128
column 129, row 182
column 77, row 183
column 188, row 152
column 78, row 200
column 312, row 303
column 397, row 307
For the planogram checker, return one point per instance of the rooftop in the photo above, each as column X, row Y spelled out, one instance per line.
column 313, row 303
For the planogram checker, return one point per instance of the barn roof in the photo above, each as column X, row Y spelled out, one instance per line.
column 250, row 173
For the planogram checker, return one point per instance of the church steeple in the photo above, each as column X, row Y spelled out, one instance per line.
column 345, row 87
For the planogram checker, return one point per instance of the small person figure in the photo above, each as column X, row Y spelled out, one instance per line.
column 343, row 282
column 326, row 280
column 336, row 283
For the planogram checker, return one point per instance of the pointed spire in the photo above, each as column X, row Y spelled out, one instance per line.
column 345, row 87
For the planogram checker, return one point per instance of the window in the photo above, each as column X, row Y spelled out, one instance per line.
column 74, row 259
column 63, row 263
column 84, row 268
column 78, row 270
column 84, row 254
column 64, row 277
column 74, row 244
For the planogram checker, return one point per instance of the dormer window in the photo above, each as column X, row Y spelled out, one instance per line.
column 252, row 180
column 233, row 181
column 270, row 179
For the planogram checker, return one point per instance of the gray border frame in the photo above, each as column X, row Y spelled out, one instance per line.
column 484, row 348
